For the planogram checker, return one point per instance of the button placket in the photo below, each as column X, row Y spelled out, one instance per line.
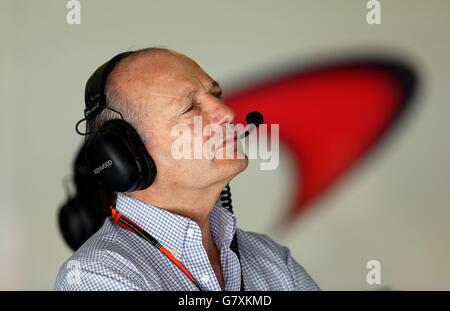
column 198, row 264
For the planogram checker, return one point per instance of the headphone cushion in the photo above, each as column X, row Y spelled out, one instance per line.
column 143, row 159
column 118, row 158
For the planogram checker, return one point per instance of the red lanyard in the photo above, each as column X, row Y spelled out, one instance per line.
column 129, row 225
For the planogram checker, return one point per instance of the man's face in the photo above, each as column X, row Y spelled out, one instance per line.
column 174, row 90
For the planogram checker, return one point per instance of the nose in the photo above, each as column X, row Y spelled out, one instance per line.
column 221, row 114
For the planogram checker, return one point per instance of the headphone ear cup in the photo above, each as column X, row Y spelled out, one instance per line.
column 75, row 223
column 118, row 158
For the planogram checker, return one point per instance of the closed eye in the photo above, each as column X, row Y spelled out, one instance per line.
column 218, row 94
column 191, row 107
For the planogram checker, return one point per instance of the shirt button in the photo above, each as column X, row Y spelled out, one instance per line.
column 190, row 232
column 174, row 252
column 205, row 278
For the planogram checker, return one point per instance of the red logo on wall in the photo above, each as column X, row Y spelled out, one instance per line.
column 330, row 117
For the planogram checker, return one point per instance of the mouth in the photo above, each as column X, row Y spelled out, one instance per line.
column 228, row 142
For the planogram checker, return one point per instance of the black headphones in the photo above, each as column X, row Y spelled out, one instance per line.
column 86, row 208
column 115, row 153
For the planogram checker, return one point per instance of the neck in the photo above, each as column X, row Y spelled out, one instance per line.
column 195, row 204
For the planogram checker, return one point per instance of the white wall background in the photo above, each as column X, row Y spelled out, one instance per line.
column 395, row 209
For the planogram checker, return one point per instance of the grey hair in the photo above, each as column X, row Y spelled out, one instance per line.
column 130, row 113
column 133, row 113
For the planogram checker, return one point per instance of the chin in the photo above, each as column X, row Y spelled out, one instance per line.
column 243, row 164
column 224, row 170
column 234, row 166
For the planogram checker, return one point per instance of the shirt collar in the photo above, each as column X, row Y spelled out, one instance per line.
column 174, row 231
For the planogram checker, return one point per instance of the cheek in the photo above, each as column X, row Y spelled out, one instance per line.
column 160, row 150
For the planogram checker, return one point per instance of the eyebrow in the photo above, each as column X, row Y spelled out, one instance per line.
column 214, row 84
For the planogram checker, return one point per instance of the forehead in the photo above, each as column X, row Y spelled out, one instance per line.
column 169, row 75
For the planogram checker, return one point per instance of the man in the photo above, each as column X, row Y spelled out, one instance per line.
column 155, row 90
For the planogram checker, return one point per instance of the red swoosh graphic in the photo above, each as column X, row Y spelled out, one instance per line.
column 330, row 117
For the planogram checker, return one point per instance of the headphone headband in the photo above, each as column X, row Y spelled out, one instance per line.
column 94, row 95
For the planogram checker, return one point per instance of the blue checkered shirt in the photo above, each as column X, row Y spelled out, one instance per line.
column 116, row 259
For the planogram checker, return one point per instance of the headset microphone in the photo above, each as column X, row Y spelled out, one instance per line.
column 254, row 119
